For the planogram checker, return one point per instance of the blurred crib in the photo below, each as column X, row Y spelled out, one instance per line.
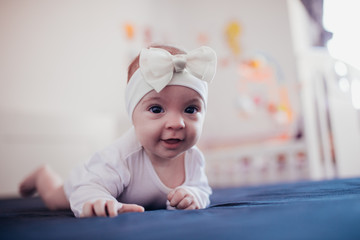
column 330, row 97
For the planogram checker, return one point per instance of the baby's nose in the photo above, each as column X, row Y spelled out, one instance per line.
column 175, row 121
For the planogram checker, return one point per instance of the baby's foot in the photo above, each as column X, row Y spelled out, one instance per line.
column 27, row 187
column 26, row 190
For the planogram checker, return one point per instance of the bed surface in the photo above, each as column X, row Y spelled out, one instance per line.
column 304, row 210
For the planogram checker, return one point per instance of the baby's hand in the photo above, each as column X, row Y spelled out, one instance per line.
column 111, row 208
column 182, row 199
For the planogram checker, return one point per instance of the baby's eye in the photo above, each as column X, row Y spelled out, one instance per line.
column 191, row 110
column 156, row 109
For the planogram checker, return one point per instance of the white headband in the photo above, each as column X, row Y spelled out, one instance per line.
column 158, row 69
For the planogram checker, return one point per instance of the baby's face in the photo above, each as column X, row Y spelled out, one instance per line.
column 170, row 122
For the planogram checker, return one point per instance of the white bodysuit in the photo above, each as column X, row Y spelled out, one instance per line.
column 124, row 172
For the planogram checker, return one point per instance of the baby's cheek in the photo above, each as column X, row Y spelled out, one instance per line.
column 145, row 133
column 197, row 130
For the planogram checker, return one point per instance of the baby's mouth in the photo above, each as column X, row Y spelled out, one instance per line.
column 172, row 140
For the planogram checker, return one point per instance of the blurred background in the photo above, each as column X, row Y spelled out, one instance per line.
column 284, row 105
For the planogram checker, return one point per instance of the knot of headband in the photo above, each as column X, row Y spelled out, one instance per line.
column 158, row 65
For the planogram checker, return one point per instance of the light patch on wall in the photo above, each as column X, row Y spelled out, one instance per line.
column 342, row 19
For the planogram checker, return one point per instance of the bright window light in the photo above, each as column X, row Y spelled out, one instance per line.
column 342, row 18
column 355, row 90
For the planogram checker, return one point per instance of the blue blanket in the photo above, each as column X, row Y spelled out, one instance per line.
column 304, row 210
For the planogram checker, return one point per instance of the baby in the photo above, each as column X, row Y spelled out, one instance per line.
column 155, row 164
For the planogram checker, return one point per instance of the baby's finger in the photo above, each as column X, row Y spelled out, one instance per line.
column 185, row 202
column 87, row 210
column 193, row 206
column 170, row 195
column 130, row 208
column 99, row 208
column 112, row 208
column 177, row 197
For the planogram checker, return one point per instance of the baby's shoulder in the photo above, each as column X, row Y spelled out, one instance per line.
column 124, row 147
column 195, row 156
column 127, row 144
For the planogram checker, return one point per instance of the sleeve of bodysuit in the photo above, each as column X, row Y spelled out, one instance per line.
column 104, row 176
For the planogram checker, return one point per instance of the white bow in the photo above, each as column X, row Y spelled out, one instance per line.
column 158, row 65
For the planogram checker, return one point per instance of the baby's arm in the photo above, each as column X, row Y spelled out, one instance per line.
column 195, row 192
column 94, row 187
column 92, row 199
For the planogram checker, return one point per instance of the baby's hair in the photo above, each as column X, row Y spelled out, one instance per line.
column 134, row 65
